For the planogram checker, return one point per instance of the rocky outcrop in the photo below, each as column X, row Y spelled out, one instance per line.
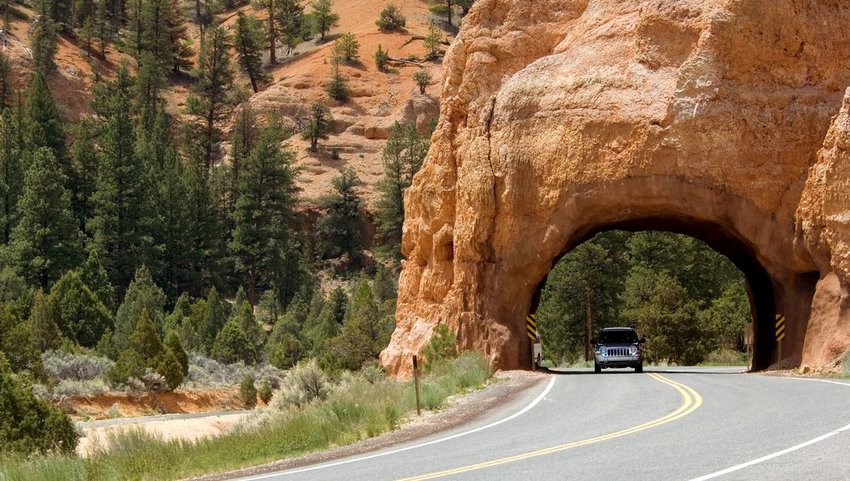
column 562, row 118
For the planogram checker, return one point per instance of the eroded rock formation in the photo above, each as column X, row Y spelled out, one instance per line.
column 562, row 118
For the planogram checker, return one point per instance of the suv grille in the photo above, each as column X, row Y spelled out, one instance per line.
column 618, row 351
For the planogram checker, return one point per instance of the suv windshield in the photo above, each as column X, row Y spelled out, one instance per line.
column 617, row 337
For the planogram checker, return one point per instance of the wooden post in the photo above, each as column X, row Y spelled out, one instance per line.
column 416, row 385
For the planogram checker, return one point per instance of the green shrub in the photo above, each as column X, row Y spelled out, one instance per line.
column 232, row 345
column 30, row 425
column 391, row 19
column 283, row 353
column 169, row 367
column 265, row 391
column 304, row 383
column 347, row 48
column 443, row 345
column 247, row 392
column 382, row 58
column 172, row 341
column 846, row 364
column 422, row 78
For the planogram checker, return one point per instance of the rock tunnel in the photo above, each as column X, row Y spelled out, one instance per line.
column 726, row 121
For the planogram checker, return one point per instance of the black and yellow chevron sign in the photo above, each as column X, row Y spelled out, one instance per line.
column 780, row 327
column 531, row 324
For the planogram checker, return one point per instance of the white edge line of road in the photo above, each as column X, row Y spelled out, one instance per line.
column 524, row 410
column 777, row 454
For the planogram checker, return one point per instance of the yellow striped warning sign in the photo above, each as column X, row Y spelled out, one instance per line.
column 780, row 327
column 531, row 324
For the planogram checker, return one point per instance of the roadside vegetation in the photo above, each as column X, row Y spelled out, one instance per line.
column 310, row 412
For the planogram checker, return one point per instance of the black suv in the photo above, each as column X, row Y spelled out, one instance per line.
column 618, row 347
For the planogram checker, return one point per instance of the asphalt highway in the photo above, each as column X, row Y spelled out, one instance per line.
column 683, row 424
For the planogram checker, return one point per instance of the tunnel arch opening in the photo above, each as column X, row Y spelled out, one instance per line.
column 761, row 288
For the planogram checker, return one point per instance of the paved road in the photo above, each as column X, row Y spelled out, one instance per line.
column 676, row 424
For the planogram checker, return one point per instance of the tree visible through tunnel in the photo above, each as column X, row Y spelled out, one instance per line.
column 689, row 301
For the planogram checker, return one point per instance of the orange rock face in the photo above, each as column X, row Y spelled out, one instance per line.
column 563, row 118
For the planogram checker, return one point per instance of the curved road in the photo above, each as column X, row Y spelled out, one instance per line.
column 687, row 424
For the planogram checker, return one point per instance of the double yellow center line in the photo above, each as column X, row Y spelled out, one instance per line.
column 691, row 401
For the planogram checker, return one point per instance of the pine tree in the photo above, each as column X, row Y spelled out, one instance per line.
column 102, row 26
column 47, row 241
column 182, row 310
column 248, row 44
column 11, row 173
column 85, row 11
column 337, row 87
column 163, row 34
column 382, row 58
column 5, row 81
column 44, row 35
column 96, row 278
column 445, row 7
column 174, row 202
column 180, row 41
column 266, row 197
column 364, row 333
column 403, row 156
column 338, row 229
column 213, row 320
column 211, row 94
column 172, row 342
column 347, row 48
column 433, row 41
column 291, row 23
column 142, row 295
column 42, row 323
column 43, row 125
column 149, row 105
column 232, row 345
column 323, row 17
column 245, row 136
column 80, row 314
column 245, row 317
column 82, row 180
column 271, row 33
column 145, row 338
column 422, row 79
column 318, row 126
column 207, row 231
column 123, row 210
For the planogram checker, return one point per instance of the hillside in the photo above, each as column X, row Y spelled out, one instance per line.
column 377, row 99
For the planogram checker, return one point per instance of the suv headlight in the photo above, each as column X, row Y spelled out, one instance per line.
column 633, row 350
column 602, row 350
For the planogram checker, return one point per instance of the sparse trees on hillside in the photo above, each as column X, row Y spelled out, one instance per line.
column 249, row 44
column 323, row 17
column 318, row 125
column 211, row 94
column 403, row 156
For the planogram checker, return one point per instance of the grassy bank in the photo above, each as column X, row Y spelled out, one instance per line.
column 357, row 408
